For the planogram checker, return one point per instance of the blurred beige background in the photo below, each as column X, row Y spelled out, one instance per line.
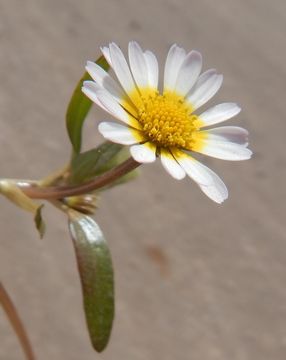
column 194, row 280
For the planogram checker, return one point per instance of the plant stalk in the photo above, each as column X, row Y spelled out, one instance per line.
column 59, row 192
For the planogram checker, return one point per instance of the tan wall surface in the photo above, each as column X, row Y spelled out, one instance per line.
column 194, row 280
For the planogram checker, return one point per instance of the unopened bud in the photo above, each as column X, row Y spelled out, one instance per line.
column 85, row 204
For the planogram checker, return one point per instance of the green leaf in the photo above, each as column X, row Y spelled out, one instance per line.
column 96, row 273
column 132, row 175
column 78, row 109
column 39, row 222
column 95, row 162
column 89, row 164
column 19, row 198
column 119, row 158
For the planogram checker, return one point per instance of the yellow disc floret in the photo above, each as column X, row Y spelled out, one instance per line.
column 167, row 120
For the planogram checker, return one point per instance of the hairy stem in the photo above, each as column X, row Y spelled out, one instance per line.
column 59, row 192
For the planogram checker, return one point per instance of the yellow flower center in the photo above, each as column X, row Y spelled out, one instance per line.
column 167, row 120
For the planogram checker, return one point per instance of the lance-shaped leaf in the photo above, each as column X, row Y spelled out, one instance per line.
column 39, row 222
column 93, row 162
column 78, row 109
column 96, row 274
column 19, row 198
column 89, row 164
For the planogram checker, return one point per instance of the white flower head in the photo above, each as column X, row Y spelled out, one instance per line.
column 166, row 124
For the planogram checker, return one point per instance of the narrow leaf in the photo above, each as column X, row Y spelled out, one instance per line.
column 96, row 273
column 89, row 164
column 39, row 222
column 78, row 109
column 132, row 175
column 16, row 322
column 94, row 162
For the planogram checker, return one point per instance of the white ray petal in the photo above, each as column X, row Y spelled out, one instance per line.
column 102, row 78
column 171, row 165
column 119, row 134
column 225, row 150
column 194, row 169
column 122, row 71
column 219, row 113
column 90, row 88
column 217, row 191
column 234, row 134
column 138, row 65
column 153, row 69
column 207, row 180
column 174, row 60
column 144, row 153
column 106, row 53
column 206, row 87
column 115, row 109
column 189, row 72
column 205, row 80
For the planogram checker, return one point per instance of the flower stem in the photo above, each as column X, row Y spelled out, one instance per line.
column 59, row 192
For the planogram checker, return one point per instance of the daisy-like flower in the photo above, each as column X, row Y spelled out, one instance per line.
column 166, row 124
